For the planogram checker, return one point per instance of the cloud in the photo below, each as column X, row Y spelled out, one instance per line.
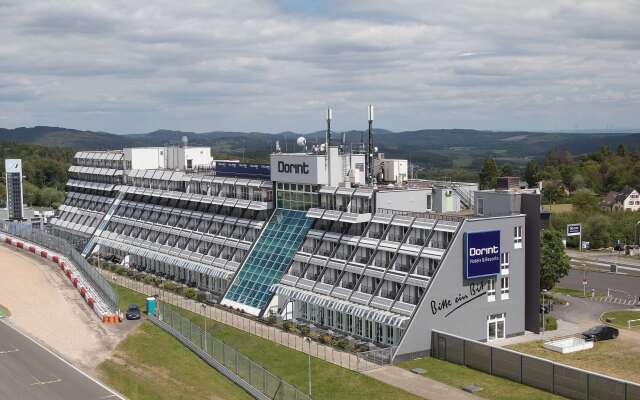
column 256, row 65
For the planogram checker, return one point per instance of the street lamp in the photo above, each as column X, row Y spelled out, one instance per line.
column 204, row 310
column 308, row 340
column 544, row 291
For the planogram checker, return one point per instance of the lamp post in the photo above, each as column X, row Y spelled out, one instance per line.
column 308, row 340
column 544, row 291
column 204, row 309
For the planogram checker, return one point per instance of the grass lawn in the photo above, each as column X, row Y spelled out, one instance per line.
column 329, row 381
column 151, row 365
column 4, row 312
column 574, row 292
column 619, row 318
column 493, row 387
column 618, row 357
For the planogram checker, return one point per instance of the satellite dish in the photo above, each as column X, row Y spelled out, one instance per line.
column 301, row 141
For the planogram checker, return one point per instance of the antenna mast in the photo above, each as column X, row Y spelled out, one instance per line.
column 369, row 158
column 328, row 143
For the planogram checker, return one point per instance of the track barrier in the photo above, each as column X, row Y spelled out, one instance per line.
column 105, row 311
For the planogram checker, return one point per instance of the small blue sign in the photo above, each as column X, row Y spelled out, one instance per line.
column 243, row 170
column 481, row 254
column 574, row 229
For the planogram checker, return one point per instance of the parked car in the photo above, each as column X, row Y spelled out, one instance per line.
column 600, row 332
column 133, row 312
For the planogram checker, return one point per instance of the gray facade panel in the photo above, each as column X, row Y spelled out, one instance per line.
column 506, row 364
column 537, row 373
column 601, row 388
column 570, row 383
column 478, row 356
column 458, row 306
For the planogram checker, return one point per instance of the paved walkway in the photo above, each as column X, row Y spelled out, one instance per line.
column 394, row 376
column 419, row 385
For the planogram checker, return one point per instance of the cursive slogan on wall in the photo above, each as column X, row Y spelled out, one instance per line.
column 450, row 304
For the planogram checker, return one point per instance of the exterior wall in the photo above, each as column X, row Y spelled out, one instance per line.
column 311, row 168
column 455, row 305
column 632, row 202
column 198, row 155
column 145, row 157
column 497, row 203
column 404, row 200
column 445, row 200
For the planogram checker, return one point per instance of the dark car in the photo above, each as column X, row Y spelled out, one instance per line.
column 600, row 332
column 133, row 312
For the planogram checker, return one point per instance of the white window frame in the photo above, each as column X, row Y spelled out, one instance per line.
column 491, row 291
column 517, row 237
column 504, row 288
column 497, row 319
column 504, row 263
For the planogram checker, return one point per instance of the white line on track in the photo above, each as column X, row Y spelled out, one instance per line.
column 116, row 395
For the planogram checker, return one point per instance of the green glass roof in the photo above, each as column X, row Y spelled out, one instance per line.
column 270, row 258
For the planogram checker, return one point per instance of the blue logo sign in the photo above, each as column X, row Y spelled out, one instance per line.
column 574, row 229
column 481, row 254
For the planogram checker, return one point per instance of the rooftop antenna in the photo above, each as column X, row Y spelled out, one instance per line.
column 278, row 147
column 328, row 144
column 369, row 159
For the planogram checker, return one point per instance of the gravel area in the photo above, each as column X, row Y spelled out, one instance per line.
column 44, row 305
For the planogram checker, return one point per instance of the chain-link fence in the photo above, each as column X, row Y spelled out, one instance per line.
column 55, row 243
column 245, row 369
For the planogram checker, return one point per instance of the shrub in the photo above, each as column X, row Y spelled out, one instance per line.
column 157, row 281
column 304, row 330
column 288, row 326
column 201, row 297
column 190, row 293
column 344, row 344
column 271, row 320
column 326, row 339
column 148, row 279
column 121, row 271
column 169, row 286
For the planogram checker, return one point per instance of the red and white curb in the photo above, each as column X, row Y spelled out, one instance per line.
column 94, row 300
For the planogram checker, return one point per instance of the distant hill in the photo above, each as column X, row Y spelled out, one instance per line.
column 430, row 148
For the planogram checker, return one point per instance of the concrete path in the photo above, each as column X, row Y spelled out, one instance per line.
column 419, row 385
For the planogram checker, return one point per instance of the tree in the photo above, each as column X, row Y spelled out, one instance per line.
column 585, row 201
column 506, row 170
column 552, row 192
column 532, row 173
column 621, row 151
column 489, row 174
column 554, row 264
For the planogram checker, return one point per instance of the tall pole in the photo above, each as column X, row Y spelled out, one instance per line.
column 204, row 308
column 369, row 159
column 328, row 144
column 309, row 366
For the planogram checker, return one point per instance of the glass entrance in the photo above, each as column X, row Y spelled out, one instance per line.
column 496, row 327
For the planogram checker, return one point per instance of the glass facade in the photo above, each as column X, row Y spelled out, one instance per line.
column 270, row 258
column 296, row 196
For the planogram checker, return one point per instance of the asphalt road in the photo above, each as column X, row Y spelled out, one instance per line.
column 28, row 371
column 601, row 281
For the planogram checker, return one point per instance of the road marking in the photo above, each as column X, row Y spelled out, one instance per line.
column 9, row 351
column 118, row 396
column 39, row 382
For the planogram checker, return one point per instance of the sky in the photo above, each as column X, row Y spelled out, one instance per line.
column 271, row 66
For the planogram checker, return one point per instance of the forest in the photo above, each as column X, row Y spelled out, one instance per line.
column 44, row 169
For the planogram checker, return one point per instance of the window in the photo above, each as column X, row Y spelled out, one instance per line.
column 339, row 320
column 517, row 237
column 349, row 327
column 390, row 339
column 491, row 291
column 329, row 317
column 358, row 323
column 368, row 329
column 496, row 326
column 480, row 207
column 303, row 310
column 379, row 337
column 504, row 288
column 504, row 263
column 428, row 202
